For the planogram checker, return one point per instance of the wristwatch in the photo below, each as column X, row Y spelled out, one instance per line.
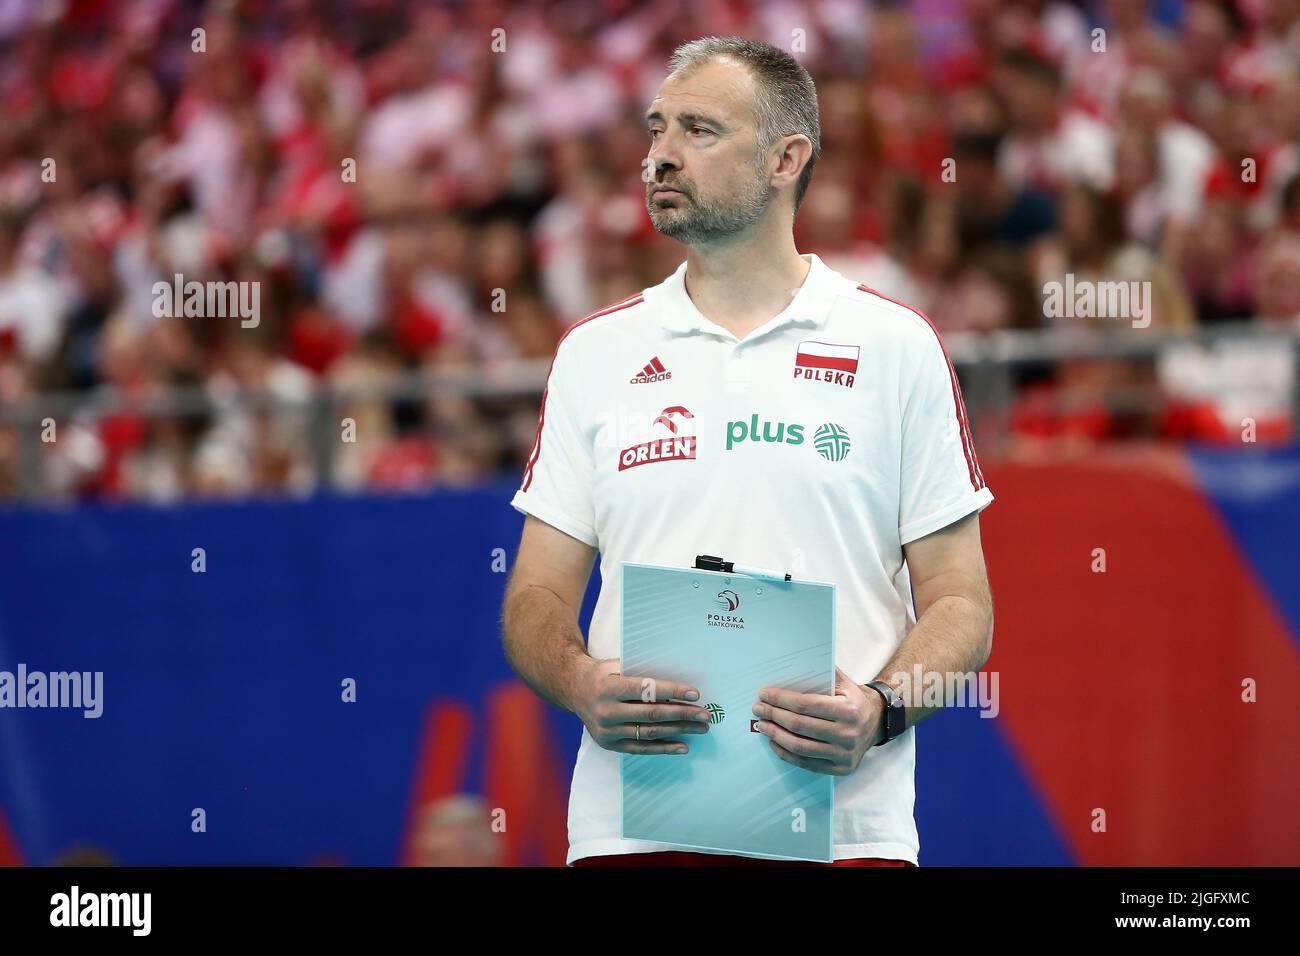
column 895, row 712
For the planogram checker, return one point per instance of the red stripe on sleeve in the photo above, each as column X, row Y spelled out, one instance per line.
column 536, row 451
column 967, row 444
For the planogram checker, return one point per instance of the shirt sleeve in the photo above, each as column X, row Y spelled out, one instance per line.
column 940, row 479
column 557, row 481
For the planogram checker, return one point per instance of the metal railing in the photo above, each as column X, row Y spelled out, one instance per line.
column 986, row 362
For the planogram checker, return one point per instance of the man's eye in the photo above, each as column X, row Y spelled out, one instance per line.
column 700, row 129
column 654, row 133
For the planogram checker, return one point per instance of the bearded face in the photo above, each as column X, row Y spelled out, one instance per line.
column 697, row 216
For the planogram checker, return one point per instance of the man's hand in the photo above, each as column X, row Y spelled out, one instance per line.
column 819, row 732
column 615, row 709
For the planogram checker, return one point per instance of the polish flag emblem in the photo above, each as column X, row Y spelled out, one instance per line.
column 834, row 358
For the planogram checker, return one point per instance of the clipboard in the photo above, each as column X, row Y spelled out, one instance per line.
column 728, row 634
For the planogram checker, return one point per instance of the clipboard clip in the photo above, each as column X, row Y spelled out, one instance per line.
column 708, row 562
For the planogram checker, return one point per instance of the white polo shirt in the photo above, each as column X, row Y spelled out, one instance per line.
column 819, row 444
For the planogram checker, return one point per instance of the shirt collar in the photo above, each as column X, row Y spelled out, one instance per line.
column 810, row 307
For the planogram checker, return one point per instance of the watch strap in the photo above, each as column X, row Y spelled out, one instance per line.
column 895, row 715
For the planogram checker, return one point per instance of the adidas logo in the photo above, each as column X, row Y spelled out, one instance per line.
column 654, row 371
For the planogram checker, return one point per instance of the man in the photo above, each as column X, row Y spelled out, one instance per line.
column 759, row 406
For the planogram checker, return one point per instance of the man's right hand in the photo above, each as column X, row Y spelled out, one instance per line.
column 615, row 708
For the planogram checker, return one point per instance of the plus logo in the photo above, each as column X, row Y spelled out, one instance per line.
column 830, row 440
column 738, row 432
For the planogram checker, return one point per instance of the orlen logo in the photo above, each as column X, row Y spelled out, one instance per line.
column 730, row 598
column 661, row 449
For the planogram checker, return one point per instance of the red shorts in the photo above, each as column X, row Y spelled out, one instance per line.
column 686, row 858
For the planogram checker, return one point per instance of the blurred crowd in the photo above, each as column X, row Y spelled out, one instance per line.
column 443, row 187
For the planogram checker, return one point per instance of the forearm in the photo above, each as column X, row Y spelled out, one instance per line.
column 544, row 643
column 953, row 637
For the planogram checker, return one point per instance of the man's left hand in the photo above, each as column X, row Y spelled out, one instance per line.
column 820, row 732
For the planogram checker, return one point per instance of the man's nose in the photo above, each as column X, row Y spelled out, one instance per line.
column 664, row 155
column 663, row 165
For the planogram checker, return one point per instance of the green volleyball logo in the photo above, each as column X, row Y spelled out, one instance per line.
column 831, row 441
column 716, row 714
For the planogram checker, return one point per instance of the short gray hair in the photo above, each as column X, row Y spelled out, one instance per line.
column 786, row 98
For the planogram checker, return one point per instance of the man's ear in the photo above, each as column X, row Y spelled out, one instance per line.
column 792, row 154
